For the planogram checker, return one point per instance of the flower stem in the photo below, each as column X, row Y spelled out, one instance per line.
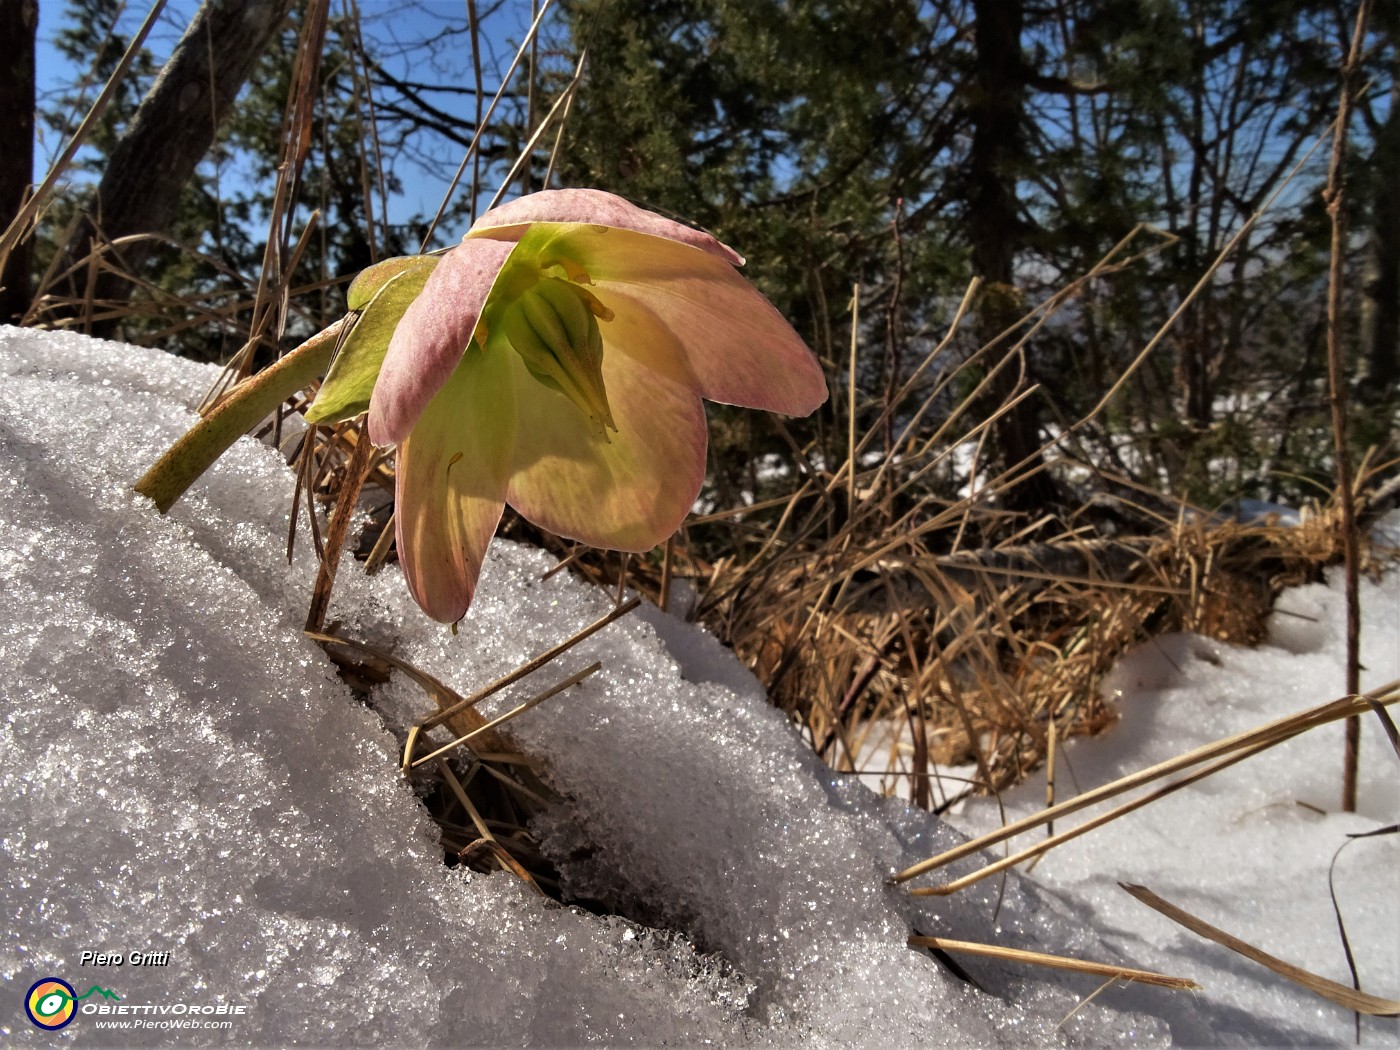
column 246, row 406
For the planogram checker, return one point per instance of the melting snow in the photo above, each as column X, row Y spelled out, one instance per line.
column 184, row 773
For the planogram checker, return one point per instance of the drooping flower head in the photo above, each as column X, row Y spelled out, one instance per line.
column 555, row 360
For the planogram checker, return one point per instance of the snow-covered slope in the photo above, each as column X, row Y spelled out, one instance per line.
column 184, row 774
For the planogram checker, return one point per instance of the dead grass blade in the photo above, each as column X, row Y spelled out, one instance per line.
column 474, row 28
column 1053, row 840
column 456, row 787
column 1337, row 908
column 563, row 102
column 532, row 665
column 487, row 843
column 447, row 698
column 1388, row 726
column 1054, row 962
column 280, row 256
column 1273, row 733
column 355, row 473
column 482, row 121
column 1350, row 998
column 498, row 853
column 1105, row 986
column 514, row 712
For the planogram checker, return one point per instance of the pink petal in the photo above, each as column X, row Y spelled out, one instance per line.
column 452, row 473
column 599, row 209
column 432, row 336
column 629, row 493
column 734, row 343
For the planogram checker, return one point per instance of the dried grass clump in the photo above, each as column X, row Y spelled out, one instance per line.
column 893, row 662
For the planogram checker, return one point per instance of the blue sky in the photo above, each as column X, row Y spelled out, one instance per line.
column 394, row 29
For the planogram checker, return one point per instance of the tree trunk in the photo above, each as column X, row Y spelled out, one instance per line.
column 171, row 132
column 19, row 21
column 998, row 115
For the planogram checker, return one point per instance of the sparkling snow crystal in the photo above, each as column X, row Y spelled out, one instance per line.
column 185, row 774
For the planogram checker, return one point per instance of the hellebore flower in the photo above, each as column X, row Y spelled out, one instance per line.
column 555, row 360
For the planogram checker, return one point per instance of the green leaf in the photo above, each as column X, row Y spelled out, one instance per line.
column 371, row 280
column 381, row 294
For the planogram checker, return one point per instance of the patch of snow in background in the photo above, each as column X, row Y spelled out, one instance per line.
column 1386, row 531
column 1247, row 849
column 888, row 743
column 183, row 772
column 1262, row 512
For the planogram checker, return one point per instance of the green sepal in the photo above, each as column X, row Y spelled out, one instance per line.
column 381, row 294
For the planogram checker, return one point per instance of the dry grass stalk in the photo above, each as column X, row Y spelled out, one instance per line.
column 539, row 698
column 356, row 472
column 561, row 105
column 483, row 120
column 501, row 856
column 1054, row 962
column 1268, row 735
column 269, row 318
column 1350, row 998
column 379, row 553
column 1105, row 986
column 462, row 717
column 532, row 665
column 1053, row 840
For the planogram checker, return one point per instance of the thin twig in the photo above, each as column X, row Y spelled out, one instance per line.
column 481, row 124
column 1337, row 397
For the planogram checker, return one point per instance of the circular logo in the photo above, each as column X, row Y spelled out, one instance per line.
column 50, row 1003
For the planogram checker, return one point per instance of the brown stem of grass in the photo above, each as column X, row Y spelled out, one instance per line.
column 355, row 473
column 1337, row 396
column 1057, row 962
column 1273, row 733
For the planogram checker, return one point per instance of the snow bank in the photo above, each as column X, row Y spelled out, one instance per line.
column 184, row 774
column 1247, row 850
